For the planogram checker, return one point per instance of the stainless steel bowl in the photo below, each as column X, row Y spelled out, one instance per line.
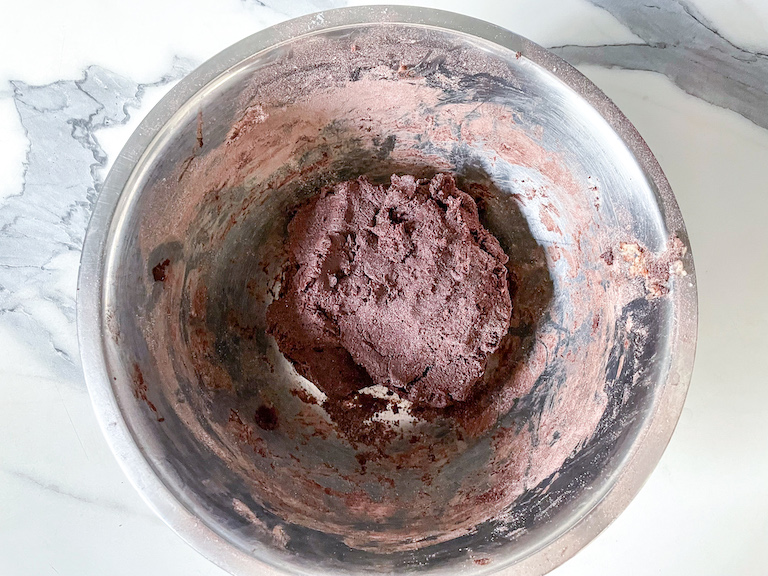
column 184, row 253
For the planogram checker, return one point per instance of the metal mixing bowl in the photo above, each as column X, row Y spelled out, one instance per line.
column 220, row 434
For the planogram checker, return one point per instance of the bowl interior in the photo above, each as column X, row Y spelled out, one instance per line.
column 196, row 256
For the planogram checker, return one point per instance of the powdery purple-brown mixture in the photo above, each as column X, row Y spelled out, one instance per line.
column 399, row 286
column 294, row 489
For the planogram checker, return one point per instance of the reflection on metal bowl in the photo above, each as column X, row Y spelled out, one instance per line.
column 185, row 251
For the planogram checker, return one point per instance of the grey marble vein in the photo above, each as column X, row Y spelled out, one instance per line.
column 683, row 45
column 54, row 488
column 296, row 7
column 43, row 227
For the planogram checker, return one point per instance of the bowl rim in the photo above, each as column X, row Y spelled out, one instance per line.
column 90, row 311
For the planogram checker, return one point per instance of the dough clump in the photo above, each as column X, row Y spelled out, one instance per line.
column 400, row 286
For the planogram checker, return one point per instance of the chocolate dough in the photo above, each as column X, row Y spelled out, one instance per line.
column 400, row 286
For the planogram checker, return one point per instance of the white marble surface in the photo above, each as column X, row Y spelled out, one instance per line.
column 75, row 79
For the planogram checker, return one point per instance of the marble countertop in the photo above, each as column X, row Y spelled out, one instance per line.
column 77, row 77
